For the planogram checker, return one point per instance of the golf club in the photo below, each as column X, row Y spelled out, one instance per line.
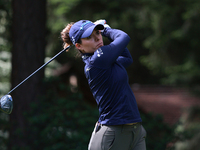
column 6, row 102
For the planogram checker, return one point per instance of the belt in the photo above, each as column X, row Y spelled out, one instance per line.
column 99, row 125
column 131, row 123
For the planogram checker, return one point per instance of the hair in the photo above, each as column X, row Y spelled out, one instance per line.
column 65, row 35
column 66, row 39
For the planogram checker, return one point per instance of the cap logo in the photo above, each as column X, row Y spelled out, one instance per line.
column 82, row 26
column 73, row 40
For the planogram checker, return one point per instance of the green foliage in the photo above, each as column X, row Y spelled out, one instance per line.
column 62, row 120
column 4, row 127
column 159, row 134
column 5, row 15
column 173, row 42
column 187, row 132
column 5, row 56
column 5, row 67
column 56, row 21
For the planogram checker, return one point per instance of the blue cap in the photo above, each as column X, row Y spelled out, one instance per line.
column 83, row 29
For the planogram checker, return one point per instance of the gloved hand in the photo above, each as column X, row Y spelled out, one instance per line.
column 103, row 22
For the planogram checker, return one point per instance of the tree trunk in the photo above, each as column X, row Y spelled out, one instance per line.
column 28, row 52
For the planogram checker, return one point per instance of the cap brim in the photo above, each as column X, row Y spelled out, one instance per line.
column 89, row 31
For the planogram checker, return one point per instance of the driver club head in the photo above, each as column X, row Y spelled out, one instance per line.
column 6, row 104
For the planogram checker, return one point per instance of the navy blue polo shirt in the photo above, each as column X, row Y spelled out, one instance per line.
column 108, row 80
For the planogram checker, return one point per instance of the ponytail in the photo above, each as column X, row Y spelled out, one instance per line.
column 65, row 35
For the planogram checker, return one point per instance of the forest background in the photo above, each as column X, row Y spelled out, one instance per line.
column 54, row 109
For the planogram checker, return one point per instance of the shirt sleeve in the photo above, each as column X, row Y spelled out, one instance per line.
column 125, row 58
column 105, row 56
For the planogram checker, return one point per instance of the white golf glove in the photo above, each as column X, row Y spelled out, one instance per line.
column 103, row 22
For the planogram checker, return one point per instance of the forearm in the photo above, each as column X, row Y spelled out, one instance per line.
column 112, row 34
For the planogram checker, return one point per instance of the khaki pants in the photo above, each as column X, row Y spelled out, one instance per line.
column 119, row 137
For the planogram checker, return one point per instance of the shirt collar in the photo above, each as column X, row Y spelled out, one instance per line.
column 86, row 55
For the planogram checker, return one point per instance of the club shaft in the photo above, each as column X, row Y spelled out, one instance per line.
column 38, row 69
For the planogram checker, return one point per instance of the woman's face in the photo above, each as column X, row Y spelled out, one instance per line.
column 91, row 43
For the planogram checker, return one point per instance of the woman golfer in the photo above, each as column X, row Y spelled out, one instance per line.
column 119, row 124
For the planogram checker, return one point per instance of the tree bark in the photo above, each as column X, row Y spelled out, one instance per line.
column 28, row 52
